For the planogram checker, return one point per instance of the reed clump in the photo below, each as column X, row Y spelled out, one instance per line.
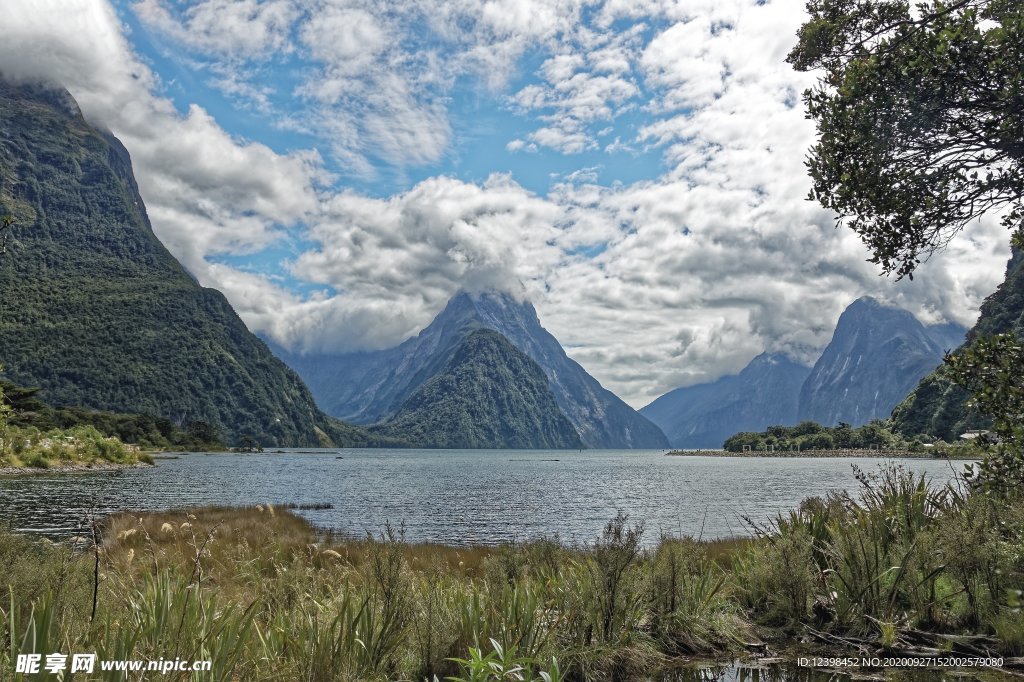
column 267, row 597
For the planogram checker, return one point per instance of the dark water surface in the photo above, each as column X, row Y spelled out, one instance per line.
column 457, row 496
column 791, row 672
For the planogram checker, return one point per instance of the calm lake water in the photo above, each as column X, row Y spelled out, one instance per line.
column 457, row 496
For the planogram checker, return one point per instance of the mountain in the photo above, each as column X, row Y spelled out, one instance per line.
column 489, row 395
column 99, row 314
column 938, row 407
column 765, row 393
column 370, row 387
column 877, row 355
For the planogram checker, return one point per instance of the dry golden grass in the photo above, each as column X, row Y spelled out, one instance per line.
column 262, row 538
column 265, row 538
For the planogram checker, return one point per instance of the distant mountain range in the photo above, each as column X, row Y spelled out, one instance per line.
column 937, row 407
column 372, row 387
column 877, row 354
column 766, row 392
column 96, row 312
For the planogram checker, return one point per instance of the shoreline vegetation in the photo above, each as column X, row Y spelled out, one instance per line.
column 905, row 568
column 31, row 443
column 874, row 439
column 957, row 454
column 31, row 451
column 36, row 438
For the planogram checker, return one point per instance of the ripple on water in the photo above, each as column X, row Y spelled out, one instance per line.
column 454, row 496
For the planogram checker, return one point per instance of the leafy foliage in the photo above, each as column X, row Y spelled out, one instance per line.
column 920, row 116
column 489, row 395
column 144, row 430
column 81, row 445
column 97, row 313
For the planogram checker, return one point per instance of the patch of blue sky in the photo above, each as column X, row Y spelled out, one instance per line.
column 274, row 263
column 589, row 251
column 186, row 80
column 483, row 126
column 482, row 122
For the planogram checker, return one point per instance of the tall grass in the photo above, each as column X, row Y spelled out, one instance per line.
column 264, row 597
column 902, row 554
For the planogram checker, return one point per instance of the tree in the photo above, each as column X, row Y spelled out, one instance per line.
column 203, row 434
column 920, row 117
column 990, row 368
column 247, row 443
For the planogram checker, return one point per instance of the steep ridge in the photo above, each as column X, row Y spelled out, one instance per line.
column 99, row 314
column 878, row 353
column 489, row 395
column 937, row 407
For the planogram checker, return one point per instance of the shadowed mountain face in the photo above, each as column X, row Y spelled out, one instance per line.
column 764, row 394
column 99, row 314
column 488, row 395
column 937, row 407
column 371, row 387
column 877, row 355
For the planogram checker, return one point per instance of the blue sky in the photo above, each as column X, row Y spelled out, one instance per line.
column 483, row 121
column 340, row 168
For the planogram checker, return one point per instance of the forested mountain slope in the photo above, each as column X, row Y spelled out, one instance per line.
column 938, row 407
column 488, row 395
column 96, row 312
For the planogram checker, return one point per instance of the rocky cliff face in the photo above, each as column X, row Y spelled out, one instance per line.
column 877, row 355
column 371, row 387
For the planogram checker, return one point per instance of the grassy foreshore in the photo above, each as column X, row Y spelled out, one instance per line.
column 909, row 570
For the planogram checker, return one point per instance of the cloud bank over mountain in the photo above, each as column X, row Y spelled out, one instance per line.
column 340, row 169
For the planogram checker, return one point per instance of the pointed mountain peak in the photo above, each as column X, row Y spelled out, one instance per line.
column 871, row 305
column 871, row 315
column 772, row 359
column 488, row 299
column 877, row 354
column 371, row 387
